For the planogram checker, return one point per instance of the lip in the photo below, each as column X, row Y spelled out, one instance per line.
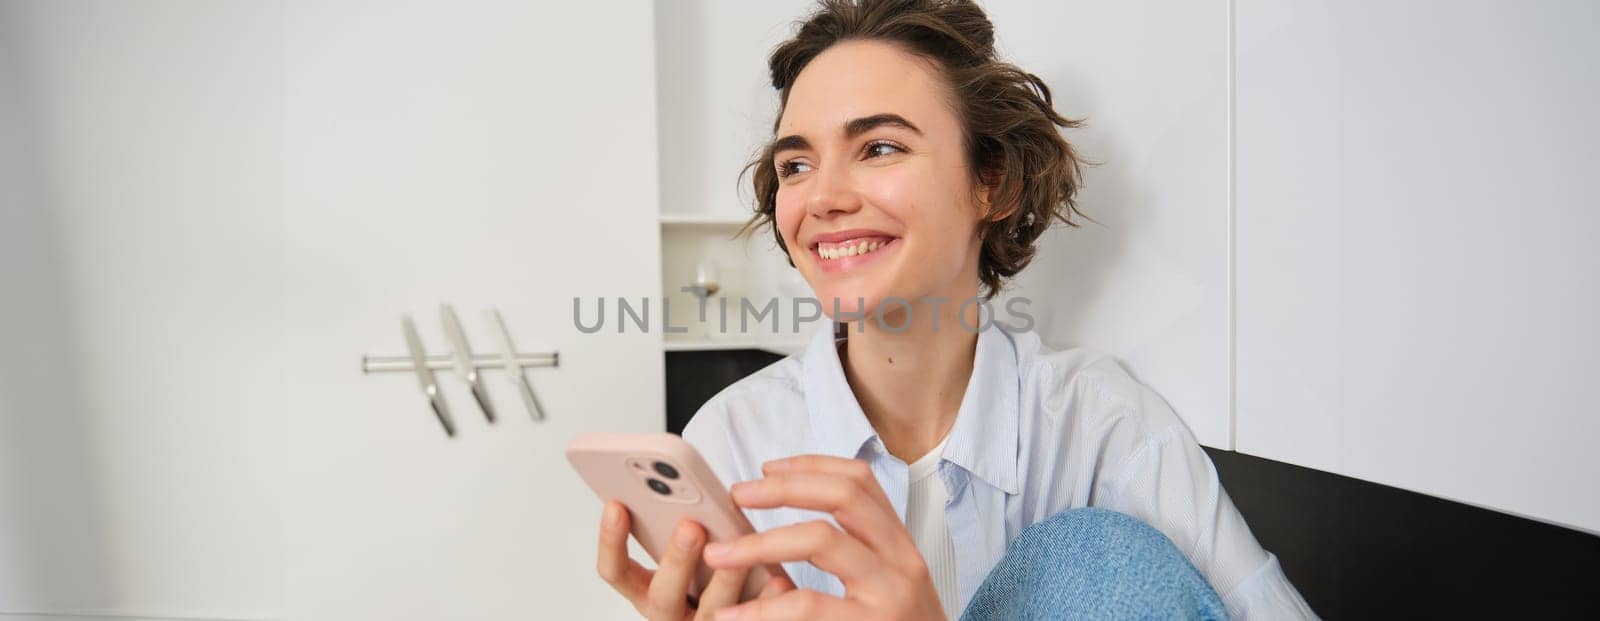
column 847, row 234
column 849, row 263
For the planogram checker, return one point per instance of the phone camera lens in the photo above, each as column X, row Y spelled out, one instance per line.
column 659, row 487
column 666, row 470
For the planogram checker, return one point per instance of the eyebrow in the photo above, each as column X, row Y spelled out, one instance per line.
column 854, row 128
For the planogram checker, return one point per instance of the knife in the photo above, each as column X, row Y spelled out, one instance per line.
column 514, row 370
column 463, row 355
column 430, row 388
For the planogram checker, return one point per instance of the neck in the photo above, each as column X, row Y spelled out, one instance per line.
column 910, row 381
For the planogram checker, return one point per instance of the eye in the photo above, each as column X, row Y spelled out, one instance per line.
column 790, row 167
column 880, row 148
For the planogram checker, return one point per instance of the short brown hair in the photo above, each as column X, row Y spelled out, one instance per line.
column 1009, row 124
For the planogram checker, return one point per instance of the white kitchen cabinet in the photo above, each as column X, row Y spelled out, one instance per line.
column 1417, row 279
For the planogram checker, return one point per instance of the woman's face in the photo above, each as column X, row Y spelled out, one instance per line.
column 875, row 200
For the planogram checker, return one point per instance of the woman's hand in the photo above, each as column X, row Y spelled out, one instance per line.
column 883, row 573
column 661, row 595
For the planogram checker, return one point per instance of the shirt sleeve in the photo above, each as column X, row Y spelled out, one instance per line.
column 1169, row 483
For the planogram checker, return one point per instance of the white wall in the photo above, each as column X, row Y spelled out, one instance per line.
column 1418, row 283
column 497, row 155
column 1148, row 283
column 213, row 210
column 141, row 393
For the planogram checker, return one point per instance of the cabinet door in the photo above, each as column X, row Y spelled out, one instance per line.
column 211, row 211
column 496, row 155
column 1417, row 281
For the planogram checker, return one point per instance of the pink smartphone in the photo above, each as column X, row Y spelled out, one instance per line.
column 661, row 479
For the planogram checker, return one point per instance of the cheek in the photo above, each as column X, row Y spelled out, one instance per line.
column 787, row 213
column 936, row 213
column 897, row 196
column 926, row 205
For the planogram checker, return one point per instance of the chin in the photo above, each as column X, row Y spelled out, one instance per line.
column 855, row 304
column 848, row 307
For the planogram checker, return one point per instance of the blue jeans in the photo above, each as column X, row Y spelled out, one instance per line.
column 1093, row 564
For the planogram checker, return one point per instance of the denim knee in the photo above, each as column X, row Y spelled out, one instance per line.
column 1097, row 564
column 1102, row 533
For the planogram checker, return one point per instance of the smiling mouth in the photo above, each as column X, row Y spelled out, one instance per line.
column 852, row 252
column 851, row 248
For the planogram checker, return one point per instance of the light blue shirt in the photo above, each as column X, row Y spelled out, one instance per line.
column 1039, row 431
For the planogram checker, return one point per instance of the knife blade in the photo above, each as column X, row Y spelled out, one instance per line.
column 430, row 387
column 508, row 354
column 463, row 355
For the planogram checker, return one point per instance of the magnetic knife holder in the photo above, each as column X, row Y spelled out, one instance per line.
column 465, row 364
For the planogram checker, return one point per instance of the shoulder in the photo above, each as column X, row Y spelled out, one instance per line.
column 1084, row 401
column 757, row 418
column 1085, row 383
column 746, row 403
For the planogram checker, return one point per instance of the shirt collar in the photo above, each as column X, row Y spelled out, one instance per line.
column 837, row 422
column 984, row 439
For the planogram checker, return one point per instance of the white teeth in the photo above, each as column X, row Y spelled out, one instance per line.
column 852, row 250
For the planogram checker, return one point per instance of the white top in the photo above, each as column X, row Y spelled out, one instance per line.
column 1039, row 431
column 925, row 501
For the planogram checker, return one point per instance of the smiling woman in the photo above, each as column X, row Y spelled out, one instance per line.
column 991, row 136
column 914, row 469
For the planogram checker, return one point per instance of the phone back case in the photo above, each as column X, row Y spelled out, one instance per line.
column 627, row 468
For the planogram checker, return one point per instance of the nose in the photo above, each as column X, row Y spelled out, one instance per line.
column 832, row 193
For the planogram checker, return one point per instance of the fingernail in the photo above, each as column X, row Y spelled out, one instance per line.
column 685, row 537
column 612, row 515
column 717, row 550
column 727, row 614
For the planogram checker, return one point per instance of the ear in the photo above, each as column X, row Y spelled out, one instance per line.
column 988, row 192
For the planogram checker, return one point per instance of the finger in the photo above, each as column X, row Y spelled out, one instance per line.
column 724, row 590
column 796, row 605
column 668, row 593
column 818, row 463
column 875, row 524
column 776, row 583
column 623, row 574
column 854, row 469
column 816, row 541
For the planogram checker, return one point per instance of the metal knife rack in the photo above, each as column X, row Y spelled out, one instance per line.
column 466, row 365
